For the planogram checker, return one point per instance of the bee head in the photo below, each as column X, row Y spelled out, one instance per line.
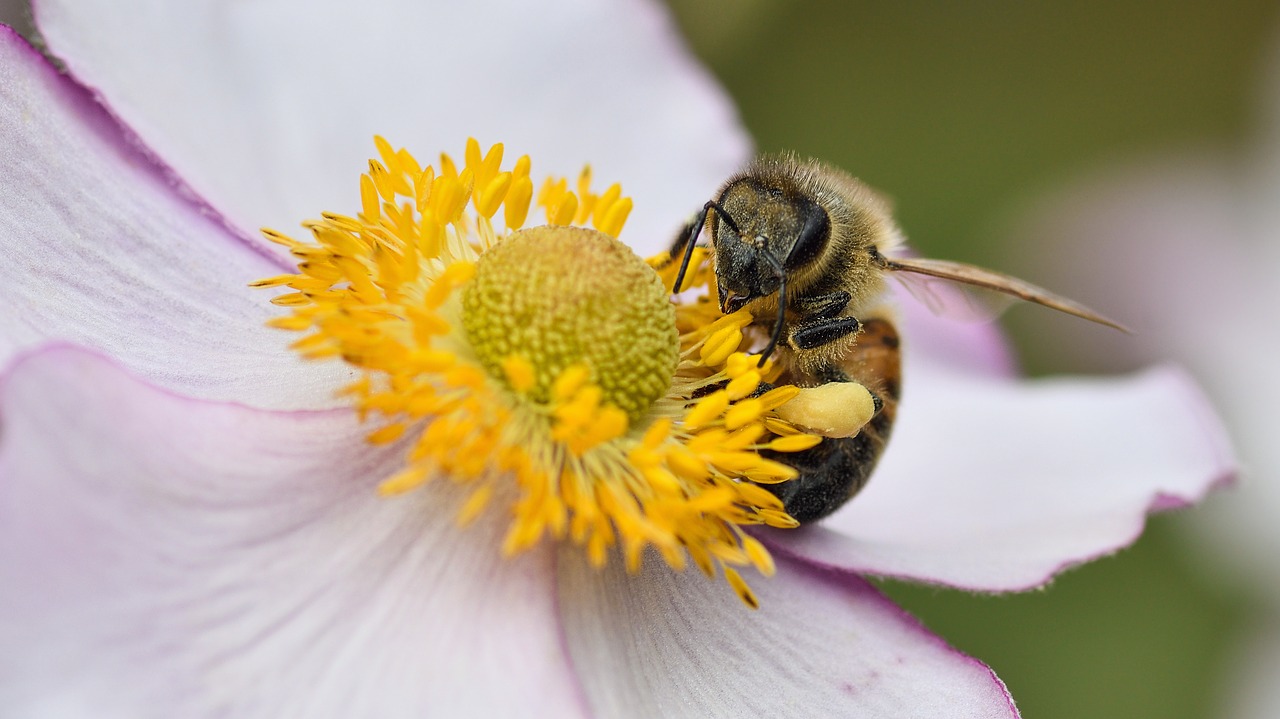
column 763, row 230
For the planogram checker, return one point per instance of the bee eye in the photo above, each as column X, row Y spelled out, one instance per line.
column 812, row 238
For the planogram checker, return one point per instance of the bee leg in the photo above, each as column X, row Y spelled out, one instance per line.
column 836, row 469
column 822, row 306
column 823, row 331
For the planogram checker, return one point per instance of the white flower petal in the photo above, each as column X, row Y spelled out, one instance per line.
column 268, row 108
column 100, row 250
column 166, row 557
column 680, row 645
column 996, row 485
column 1207, row 295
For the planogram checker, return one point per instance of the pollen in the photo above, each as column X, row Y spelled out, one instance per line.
column 548, row 368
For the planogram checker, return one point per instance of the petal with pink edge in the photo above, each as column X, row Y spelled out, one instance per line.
column 822, row 644
column 994, row 485
column 165, row 557
column 267, row 109
column 99, row 250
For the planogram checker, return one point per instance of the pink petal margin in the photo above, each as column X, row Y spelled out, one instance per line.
column 672, row 644
column 1000, row 516
column 169, row 557
column 101, row 252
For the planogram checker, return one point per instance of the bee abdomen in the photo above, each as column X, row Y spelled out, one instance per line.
column 838, row 468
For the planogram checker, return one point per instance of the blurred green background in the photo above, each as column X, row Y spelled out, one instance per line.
column 963, row 113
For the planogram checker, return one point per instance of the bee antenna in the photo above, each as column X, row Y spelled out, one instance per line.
column 776, row 264
column 693, row 238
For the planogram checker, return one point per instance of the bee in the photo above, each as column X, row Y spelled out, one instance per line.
column 805, row 248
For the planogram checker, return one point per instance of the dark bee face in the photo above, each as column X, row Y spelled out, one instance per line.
column 770, row 228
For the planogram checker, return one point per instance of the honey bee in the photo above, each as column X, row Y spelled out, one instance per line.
column 805, row 248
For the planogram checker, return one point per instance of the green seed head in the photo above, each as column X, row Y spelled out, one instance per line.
column 560, row 296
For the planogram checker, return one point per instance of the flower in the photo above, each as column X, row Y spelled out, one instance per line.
column 191, row 526
column 619, row 417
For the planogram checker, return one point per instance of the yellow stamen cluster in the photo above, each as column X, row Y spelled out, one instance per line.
column 557, row 422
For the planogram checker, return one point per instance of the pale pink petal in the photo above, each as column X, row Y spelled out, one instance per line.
column 100, row 251
column 165, row 557
column 1207, row 296
column 267, row 109
column 821, row 645
column 994, row 485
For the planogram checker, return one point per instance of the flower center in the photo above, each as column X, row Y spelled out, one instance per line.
column 549, row 360
column 531, row 298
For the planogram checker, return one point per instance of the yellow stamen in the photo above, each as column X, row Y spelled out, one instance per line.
column 550, row 358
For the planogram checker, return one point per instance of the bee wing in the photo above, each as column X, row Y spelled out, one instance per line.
column 991, row 280
column 954, row 301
